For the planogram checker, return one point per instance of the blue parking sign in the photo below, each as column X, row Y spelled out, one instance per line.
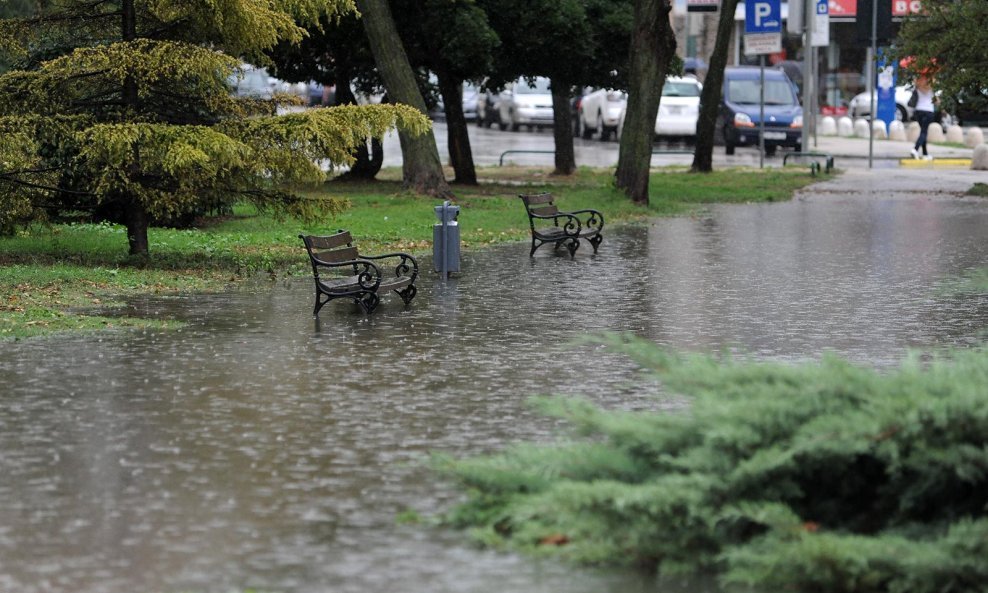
column 762, row 16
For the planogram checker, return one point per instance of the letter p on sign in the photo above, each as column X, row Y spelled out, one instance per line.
column 762, row 12
column 762, row 16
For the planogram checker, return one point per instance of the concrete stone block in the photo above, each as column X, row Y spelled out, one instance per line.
column 828, row 126
column 878, row 130
column 955, row 134
column 861, row 128
column 912, row 131
column 845, row 127
column 979, row 160
column 935, row 133
column 897, row 131
column 973, row 137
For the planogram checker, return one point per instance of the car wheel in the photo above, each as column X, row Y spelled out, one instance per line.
column 515, row 127
column 770, row 150
column 605, row 133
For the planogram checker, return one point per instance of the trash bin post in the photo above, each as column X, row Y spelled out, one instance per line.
column 446, row 240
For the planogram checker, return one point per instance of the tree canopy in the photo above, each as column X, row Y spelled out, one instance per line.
column 948, row 38
column 125, row 106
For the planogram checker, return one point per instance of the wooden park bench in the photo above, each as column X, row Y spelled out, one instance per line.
column 567, row 228
column 341, row 272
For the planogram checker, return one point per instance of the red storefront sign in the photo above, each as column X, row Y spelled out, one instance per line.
column 849, row 8
column 843, row 8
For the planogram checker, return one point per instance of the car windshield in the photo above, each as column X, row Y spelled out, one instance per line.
column 746, row 91
column 680, row 89
column 541, row 87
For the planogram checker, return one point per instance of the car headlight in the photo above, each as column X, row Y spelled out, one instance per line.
column 743, row 120
column 797, row 122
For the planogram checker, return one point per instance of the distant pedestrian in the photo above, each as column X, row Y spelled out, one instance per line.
column 923, row 102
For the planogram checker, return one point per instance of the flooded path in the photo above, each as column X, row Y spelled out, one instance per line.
column 256, row 449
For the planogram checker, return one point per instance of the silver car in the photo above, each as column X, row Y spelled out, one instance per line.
column 525, row 104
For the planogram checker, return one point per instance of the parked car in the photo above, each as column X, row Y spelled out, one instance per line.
column 599, row 112
column 739, row 117
column 470, row 96
column 860, row 105
column 679, row 109
column 525, row 104
column 468, row 100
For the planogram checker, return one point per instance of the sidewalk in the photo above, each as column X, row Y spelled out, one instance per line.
column 857, row 148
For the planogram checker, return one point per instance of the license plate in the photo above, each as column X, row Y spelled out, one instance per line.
column 775, row 135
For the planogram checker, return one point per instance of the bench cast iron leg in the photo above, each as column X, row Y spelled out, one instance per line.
column 596, row 241
column 368, row 301
column 319, row 303
column 572, row 245
column 407, row 293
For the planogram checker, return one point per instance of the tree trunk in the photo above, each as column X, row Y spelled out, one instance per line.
column 137, row 222
column 653, row 43
column 421, row 169
column 562, row 127
column 368, row 162
column 135, row 214
column 706, row 124
column 458, row 138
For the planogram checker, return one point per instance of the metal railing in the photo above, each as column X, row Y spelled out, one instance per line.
column 815, row 165
column 500, row 162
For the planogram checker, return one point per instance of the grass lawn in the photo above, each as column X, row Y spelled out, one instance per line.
column 51, row 274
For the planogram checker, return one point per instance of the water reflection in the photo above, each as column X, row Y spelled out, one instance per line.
column 256, row 449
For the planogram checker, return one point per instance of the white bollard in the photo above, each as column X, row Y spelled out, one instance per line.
column 878, row 130
column 935, row 133
column 912, row 131
column 955, row 134
column 897, row 131
column 979, row 160
column 861, row 128
column 974, row 137
column 828, row 126
column 845, row 127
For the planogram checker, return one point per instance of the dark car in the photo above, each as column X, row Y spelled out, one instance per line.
column 739, row 110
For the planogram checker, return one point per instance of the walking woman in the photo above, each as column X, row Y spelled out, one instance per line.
column 924, row 103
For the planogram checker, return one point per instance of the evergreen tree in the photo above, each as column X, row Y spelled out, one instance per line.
column 125, row 106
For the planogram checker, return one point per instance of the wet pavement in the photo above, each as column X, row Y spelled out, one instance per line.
column 254, row 448
column 491, row 146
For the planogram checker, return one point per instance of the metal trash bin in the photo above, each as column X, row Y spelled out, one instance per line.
column 446, row 239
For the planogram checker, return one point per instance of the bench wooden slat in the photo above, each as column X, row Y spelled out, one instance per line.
column 531, row 199
column 336, row 255
column 330, row 241
column 545, row 211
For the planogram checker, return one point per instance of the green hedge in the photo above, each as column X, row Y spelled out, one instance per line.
column 813, row 477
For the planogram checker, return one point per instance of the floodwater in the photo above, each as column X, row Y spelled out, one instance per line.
column 254, row 448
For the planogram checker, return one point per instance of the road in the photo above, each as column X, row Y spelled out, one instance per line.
column 489, row 145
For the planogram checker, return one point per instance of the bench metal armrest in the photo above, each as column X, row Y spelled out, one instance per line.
column 594, row 222
column 368, row 274
column 571, row 226
column 407, row 266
